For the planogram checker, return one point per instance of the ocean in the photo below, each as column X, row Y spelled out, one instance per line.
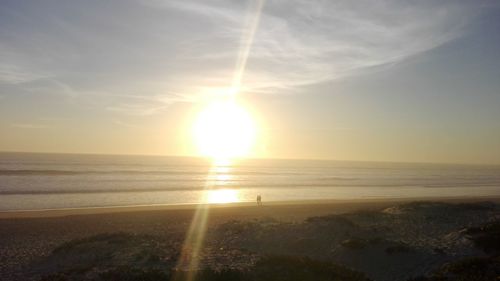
column 31, row 181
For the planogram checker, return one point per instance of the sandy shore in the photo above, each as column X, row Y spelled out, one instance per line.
column 304, row 208
column 28, row 236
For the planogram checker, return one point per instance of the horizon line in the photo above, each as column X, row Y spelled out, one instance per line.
column 254, row 158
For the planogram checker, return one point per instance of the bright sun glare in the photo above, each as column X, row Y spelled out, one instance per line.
column 224, row 130
column 222, row 196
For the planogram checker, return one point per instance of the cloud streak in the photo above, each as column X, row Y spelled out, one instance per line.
column 307, row 42
column 28, row 126
column 168, row 51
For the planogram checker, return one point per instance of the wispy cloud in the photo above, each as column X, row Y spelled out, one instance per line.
column 13, row 74
column 124, row 124
column 29, row 126
column 135, row 104
column 136, row 109
column 137, row 58
column 305, row 42
column 50, row 86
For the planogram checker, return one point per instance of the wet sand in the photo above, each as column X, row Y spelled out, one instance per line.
column 282, row 208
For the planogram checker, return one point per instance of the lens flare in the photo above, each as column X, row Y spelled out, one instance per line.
column 222, row 131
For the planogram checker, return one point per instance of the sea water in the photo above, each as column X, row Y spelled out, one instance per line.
column 30, row 181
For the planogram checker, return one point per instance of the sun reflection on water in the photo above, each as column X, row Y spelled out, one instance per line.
column 218, row 176
column 218, row 195
column 222, row 196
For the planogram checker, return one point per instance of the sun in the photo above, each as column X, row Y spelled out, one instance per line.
column 223, row 130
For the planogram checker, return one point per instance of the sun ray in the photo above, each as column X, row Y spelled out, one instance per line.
column 189, row 259
column 246, row 44
column 191, row 252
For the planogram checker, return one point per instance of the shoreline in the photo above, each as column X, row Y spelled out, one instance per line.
column 362, row 202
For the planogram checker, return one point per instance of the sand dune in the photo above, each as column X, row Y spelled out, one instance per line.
column 382, row 240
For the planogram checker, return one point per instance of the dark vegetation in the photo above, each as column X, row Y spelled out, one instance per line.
column 88, row 258
column 468, row 269
column 128, row 257
column 360, row 243
column 483, row 268
column 271, row 268
column 400, row 248
column 486, row 237
column 333, row 247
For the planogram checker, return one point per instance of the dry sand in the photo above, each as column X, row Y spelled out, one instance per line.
column 28, row 236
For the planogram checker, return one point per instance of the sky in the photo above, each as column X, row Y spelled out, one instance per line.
column 404, row 81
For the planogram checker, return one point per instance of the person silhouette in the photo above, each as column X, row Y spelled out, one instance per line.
column 259, row 200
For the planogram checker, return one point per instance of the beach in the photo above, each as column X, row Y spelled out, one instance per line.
column 249, row 140
column 354, row 233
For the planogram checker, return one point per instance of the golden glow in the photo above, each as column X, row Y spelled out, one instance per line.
column 224, row 130
column 221, row 196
